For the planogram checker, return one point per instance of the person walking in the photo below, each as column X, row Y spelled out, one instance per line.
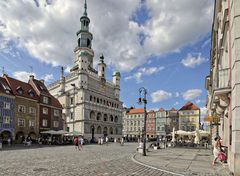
column 0, row 143
column 122, row 141
column 9, row 141
column 216, row 149
column 80, row 147
column 75, row 141
column 101, row 140
column 106, row 140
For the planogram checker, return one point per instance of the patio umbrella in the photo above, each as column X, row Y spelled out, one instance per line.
column 173, row 135
column 48, row 132
column 61, row 132
column 197, row 137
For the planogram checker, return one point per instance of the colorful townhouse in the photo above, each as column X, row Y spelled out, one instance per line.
column 7, row 103
column 151, row 124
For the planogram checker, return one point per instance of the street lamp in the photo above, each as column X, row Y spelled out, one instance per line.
column 74, row 88
column 143, row 92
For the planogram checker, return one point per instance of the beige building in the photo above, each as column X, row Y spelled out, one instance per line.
column 91, row 103
column 133, row 123
column 223, row 82
column 189, row 117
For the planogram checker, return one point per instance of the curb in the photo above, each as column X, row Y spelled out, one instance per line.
column 163, row 170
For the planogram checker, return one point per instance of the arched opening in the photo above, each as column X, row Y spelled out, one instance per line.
column 116, row 119
column 105, row 131
column 92, row 131
column 99, row 130
column 92, row 115
column 99, row 116
column 5, row 135
column 19, row 137
column 111, row 118
column 111, row 130
column 105, row 117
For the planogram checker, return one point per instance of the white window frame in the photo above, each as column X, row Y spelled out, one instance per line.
column 6, row 105
column 56, row 112
column 45, row 100
column 55, row 124
column 21, row 122
column 45, row 110
column 21, row 108
column 32, row 110
column 31, row 123
column 44, row 122
column 7, row 120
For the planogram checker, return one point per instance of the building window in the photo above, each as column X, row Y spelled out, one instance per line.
column 44, row 122
column 21, row 122
column 55, row 124
column 31, row 123
column 21, row 108
column 56, row 112
column 45, row 100
column 71, row 101
column 71, row 115
column 32, row 110
column 45, row 110
column 6, row 105
column 7, row 120
column 90, row 97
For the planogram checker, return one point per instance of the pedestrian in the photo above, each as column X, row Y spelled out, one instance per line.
column 122, row 141
column 106, row 140
column 80, row 143
column 0, row 143
column 115, row 140
column 9, row 141
column 75, row 141
column 216, row 149
column 101, row 140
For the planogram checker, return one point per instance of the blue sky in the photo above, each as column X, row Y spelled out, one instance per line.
column 162, row 45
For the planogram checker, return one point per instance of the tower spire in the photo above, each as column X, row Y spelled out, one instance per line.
column 85, row 8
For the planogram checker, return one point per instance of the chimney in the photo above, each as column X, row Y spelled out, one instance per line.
column 31, row 77
column 42, row 81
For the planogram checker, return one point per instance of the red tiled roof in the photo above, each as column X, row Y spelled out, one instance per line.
column 136, row 111
column 44, row 91
column 173, row 109
column 161, row 110
column 4, row 87
column 189, row 106
column 15, row 84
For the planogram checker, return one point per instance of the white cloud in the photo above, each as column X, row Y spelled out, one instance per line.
column 192, row 94
column 198, row 101
column 160, row 95
column 191, row 61
column 22, row 75
column 176, row 103
column 177, row 94
column 144, row 71
column 203, row 112
column 48, row 77
column 47, row 31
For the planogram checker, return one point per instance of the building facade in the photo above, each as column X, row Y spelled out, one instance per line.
column 161, row 115
column 50, row 109
column 7, row 103
column 223, row 82
column 90, row 103
column 172, row 120
column 133, row 123
column 189, row 117
column 25, row 110
column 151, row 124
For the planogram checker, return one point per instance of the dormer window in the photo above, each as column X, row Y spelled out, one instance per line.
column 19, row 90
column 45, row 100
column 31, row 93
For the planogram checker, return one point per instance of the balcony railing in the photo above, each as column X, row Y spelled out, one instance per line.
column 222, row 79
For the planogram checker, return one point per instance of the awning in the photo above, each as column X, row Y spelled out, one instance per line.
column 74, row 133
column 48, row 132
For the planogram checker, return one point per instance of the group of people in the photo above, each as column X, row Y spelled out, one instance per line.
column 78, row 142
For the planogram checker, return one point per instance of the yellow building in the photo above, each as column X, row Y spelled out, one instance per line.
column 189, row 117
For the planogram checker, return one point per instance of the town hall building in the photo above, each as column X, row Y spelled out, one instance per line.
column 92, row 105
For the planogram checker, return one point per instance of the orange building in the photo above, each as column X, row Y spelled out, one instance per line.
column 151, row 124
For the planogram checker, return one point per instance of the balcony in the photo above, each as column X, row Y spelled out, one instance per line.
column 221, row 90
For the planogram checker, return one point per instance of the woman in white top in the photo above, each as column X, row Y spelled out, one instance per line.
column 216, row 149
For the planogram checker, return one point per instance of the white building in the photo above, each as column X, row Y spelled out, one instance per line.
column 91, row 103
column 223, row 82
